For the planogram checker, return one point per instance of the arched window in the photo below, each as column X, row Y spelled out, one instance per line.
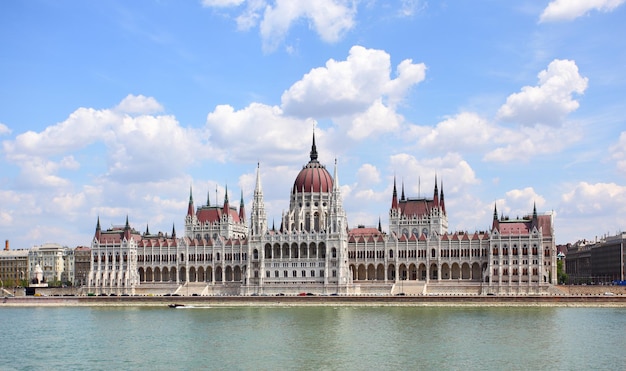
column 390, row 254
column 334, row 252
column 316, row 221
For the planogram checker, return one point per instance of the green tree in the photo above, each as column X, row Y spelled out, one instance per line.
column 560, row 272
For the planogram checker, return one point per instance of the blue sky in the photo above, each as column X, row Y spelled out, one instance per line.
column 115, row 108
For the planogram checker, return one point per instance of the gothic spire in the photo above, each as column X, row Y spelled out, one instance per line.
column 436, row 193
column 98, row 230
column 336, row 177
column 226, row 203
column 127, row 229
column 190, row 207
column 394, row 198
column 443, row 203
column 402, row 196
column 258, row 178
column 173, row 231
column 495, row 223
column 242, row 211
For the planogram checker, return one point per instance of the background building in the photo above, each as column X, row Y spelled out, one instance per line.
column 50, row 257
column 598, row 262
column 82, row 260
column 13, row 268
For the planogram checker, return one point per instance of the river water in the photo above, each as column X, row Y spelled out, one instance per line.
column 313, row 338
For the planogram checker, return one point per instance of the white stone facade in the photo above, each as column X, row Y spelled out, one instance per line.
column 314, row 251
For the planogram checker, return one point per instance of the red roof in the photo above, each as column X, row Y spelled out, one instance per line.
column 214, row 214
column 362, row 234
column 415, row 207
column 524, row 227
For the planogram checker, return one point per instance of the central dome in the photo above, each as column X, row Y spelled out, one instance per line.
column 313, row 177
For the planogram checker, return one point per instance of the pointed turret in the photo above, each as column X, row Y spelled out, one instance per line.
column 336, row 178
column 257, row 187
column 495, row 223
column 208, row 198
column 443, row 203
column 436, row 194
column 190, row 208
column 173, row 231
column 394, row 197
column 258, row 218
column 127, row 229
column 242, row 210
column 535, row 221
column 402, row 196
column 226, row 203
column 380, row 228
column 98, row 230
column 147, row 230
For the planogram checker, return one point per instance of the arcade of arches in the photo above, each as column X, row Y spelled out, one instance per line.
column 229, row 273
column 413, row 272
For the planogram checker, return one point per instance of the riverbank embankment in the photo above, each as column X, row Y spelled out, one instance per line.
column 285, row 301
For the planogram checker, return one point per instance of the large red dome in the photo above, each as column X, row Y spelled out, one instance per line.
column 313, row 177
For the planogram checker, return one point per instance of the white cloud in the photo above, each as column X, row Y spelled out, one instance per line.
column 258, row 129
column 521, row 201
column 528, row 142
column 137, row 148
column 330, row 19
column 618, row 152
column 377, row 119
column 465, row 131
column 357, row 93
column 419, row 174
column 410, row 7
column 83, row 127
column 4, row 130
column 588, row 210
column 594, row 199
column 368, row 174
column 567, row 10
column 221, row 3
column 139, row 104
column 549, row 102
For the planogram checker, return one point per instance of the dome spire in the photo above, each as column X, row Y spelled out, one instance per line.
column 313, row 148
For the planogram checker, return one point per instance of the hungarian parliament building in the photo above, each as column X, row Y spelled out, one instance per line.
column 314, row 251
